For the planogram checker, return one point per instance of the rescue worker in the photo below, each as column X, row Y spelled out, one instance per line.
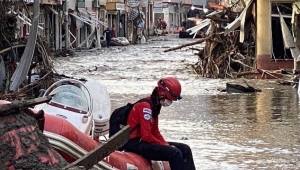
column 145, row 138
column 107, row 33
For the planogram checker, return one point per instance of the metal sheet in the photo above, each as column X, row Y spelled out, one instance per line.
column 21, row 72
column 288, row 39
column 237, row 22
column 286, row 34
column 87, row 21
column 243, row 21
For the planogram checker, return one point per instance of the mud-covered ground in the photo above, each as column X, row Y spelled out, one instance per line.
column 23, row 146
column 225, row 131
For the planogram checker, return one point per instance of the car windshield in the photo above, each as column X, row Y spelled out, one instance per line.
column 72, row 96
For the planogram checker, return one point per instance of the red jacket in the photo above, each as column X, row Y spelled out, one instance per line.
column 141, row 115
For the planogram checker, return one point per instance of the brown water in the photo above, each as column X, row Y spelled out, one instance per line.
column 236, row 131
column 225, row 131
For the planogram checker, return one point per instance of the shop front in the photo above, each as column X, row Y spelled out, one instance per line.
column 116, row 16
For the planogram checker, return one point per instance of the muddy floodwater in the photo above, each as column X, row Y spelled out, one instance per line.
column 225, row 131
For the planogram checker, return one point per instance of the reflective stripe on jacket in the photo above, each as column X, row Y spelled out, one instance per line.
column 148, row 131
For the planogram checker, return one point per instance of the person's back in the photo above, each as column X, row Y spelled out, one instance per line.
column 107, row 33
column 145, row 138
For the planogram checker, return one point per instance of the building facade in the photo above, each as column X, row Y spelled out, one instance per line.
column 173, row 12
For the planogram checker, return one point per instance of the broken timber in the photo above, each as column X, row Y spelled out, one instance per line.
column 10, row 48
column 188, row 44
column 15, row 106
column 102, row 151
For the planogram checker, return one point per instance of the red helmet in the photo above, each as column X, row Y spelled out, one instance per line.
column 170, row 88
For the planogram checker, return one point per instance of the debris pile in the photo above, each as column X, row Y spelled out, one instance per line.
column 227, row 50
column 12, row 50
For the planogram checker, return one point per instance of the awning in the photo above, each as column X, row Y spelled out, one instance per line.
column 52, row 10
column 112, row 12
column 88, row 21
column 25, row 19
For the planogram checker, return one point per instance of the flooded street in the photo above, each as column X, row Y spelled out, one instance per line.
column 225, row 131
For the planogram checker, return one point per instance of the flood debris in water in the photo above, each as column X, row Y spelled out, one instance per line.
column 227, row 50
column 230, row 45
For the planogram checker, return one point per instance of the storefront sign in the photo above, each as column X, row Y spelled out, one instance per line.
column 120, row 6
column 102, row 2
column 165, row 5
column 133, row 3
column 158, row 5
column 143, row 3
column 81, row 3
column 157, row 10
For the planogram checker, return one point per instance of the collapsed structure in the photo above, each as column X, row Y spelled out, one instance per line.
column 21, row 57
column 260, row 40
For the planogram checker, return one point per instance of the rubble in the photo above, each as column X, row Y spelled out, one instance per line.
column 223, row 55
column 13, row 48
column 230, row 44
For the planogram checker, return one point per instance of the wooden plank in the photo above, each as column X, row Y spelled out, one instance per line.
column 201, row 40
column 102, row 151
column 16, row 106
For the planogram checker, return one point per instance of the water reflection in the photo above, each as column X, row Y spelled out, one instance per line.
column 237, row 131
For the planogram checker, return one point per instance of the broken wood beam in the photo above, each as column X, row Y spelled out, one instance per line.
column 15, row 106
column 247, row 73
column 97, row 154
column 188, row 44
column 10, row 48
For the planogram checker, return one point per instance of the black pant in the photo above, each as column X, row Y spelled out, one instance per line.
column 179, row 157
column 107, row 42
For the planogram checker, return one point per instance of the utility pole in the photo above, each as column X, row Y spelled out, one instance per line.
column 67, row 38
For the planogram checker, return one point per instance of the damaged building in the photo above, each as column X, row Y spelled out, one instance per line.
column 277, row 33
column 248, row 37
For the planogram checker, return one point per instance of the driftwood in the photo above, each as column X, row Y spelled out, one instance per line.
column 188, row 44
column 36, row 83
column 16, row 106
column 247, row 73
column 10, row 48
column 223, row 55
column 41, row 58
